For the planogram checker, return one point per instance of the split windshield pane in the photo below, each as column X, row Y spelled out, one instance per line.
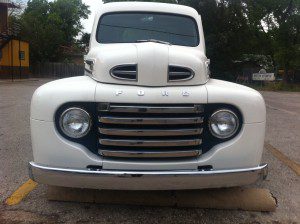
column 136, row 27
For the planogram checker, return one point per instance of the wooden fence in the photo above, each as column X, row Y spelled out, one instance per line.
column 56, row 70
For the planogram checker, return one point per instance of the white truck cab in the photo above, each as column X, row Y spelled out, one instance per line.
column 147, row 115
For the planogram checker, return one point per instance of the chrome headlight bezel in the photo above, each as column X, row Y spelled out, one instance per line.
column 234, row 131
column 68, row 134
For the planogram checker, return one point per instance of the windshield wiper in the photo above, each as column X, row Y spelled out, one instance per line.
column 154, row 41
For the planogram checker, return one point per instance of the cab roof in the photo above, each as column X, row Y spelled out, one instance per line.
column 147, row 7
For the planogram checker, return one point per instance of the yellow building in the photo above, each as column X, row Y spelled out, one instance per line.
column 14, row 59
column 14, row 53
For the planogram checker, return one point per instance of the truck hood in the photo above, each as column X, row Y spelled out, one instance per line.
column 150, row 61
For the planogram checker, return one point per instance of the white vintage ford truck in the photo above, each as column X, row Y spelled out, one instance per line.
column 147, row 115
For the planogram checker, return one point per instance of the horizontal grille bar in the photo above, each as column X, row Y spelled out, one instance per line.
column 152, row 109
column 150, row 143
column 149, row 120
column 149, row 154
column 150, row 132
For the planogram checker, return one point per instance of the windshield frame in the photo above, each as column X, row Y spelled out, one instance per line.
column 148, row 12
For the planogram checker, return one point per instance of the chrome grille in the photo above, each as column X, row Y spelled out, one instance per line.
column 150, row 131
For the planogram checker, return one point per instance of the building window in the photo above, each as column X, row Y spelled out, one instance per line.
column 22, row 55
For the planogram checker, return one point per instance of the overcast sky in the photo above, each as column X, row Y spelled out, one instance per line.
column 88, row 23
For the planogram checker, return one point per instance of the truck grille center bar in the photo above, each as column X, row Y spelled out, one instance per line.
column 150, row 131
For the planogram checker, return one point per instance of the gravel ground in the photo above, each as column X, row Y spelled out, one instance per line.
column 283, row 128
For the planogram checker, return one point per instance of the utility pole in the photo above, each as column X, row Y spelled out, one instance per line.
column 12, row 60
column 20, row 63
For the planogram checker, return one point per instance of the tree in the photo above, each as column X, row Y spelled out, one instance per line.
column 50, row 25
column 280, row 21
column 227, row 34
column 84, row 41
column 287, row 36
column 235, row 28
column 70, row 13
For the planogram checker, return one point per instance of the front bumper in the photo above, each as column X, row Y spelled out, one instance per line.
column 145, row 180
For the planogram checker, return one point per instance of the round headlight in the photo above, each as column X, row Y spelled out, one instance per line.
column 75, row 122
column 223, row 123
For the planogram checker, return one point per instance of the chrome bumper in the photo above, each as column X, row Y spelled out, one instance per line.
column 145, row 180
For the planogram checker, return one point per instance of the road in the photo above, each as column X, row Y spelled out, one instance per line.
column 283, row 134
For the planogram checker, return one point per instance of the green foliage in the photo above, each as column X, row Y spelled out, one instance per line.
column 84, row 42
column 50, row 25
column 287, row 42
column 261, row 60
column 264, row 32
column 282, row 25
column 235, row 28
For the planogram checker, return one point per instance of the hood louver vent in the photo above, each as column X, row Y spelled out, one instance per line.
column 177, row 73
column 124, row 72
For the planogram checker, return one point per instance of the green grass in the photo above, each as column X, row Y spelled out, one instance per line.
column 276, row 86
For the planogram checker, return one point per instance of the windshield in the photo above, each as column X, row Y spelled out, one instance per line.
column 140, row 27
